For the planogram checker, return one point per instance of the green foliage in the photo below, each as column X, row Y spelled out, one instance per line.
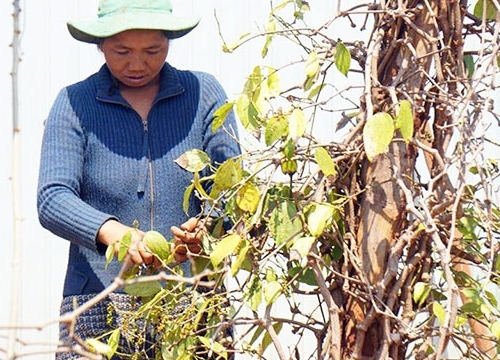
column 486, row 9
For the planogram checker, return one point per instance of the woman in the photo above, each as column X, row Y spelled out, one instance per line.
column 110, row 141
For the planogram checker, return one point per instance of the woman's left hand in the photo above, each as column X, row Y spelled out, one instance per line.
column 187, row 239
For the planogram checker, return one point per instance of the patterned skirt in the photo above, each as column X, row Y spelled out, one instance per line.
column 112, row 313
column 138, row 340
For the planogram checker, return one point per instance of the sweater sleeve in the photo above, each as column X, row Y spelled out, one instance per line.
column 60, row 208
column 221, row 144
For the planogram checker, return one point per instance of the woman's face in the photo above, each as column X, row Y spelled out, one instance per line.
column 135, row 57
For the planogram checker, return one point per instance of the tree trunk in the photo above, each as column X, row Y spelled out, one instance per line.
column 403, row 51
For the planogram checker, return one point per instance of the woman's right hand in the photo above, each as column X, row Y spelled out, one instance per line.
column 112, row 232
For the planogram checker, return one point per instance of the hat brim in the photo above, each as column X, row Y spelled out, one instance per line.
column 93, row 31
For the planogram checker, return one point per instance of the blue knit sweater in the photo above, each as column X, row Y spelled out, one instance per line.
column 99, row 161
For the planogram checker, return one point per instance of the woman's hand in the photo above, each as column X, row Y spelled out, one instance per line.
column 187, row 239
column 112, row 232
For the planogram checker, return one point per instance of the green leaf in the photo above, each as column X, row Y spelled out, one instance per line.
column 158, row 245
column 272, row 291
column 315, row 91
column 325, row 162
column 467, row 226
column 187, row 196
column 241, row 257
column 318, row 216
column 289, row 149
column 469, row 65
column 253, row 293
column 297, row 124
column 124, row 246
column 113, row 342
column 342, row 58
column 378, row 134
column 228, row 174
column 439, row 311
column 270, row 29
column 193, row 160
column 284, row 224
column 421, row 292
column 221, row 114
column 491, row 10
column 247, row 113
column 276, row 128
column 248, row 197
column 145, row 289
column 404, row 120
column 471, row 308
column 224, row 248
column 306, row 275
column 469, row 293
column 266, row 341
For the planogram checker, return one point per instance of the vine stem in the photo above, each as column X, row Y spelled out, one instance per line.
column 16, row 278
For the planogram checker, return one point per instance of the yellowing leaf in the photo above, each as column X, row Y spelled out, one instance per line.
column 99, row 346
column 378, row 134
column 420, row 292
column 495, row 329
column 342, row 58
column 228, row 174
column 213, row 345
column 124, row 246
column 325, row 162
column 193, row 160
column 248, row 197
column 404, row 120
column 110, row 254
column 312, row 64
column 271, row 292
column 253, row 293
column 221, row 114
column 273, row 82
column 113, row 342
column 318, row 217
column 439, row 311
column 224, row 248
column 301, row 247
column 297, row 124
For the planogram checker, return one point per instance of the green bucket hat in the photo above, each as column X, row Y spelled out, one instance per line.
column 115, row 16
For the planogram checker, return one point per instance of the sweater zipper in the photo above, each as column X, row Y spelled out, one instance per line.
column 147, row 172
